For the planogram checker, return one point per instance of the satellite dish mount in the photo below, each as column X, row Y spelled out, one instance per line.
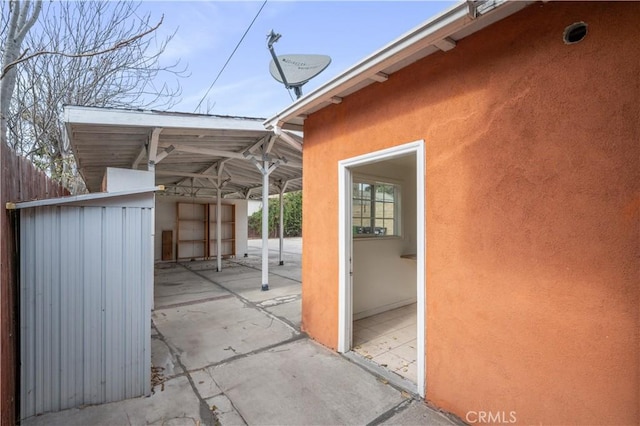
column 294, row 70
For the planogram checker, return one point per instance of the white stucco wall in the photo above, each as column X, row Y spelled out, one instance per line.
column 166, row 220
column 382, row 280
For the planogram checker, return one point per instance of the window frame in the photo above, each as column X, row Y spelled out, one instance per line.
column 376, row 181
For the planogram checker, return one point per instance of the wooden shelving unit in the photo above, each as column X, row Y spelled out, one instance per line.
column 192, row 231
column 196, row 231
column 228, row 229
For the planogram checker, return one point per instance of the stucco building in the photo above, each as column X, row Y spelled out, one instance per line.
column 484, row 170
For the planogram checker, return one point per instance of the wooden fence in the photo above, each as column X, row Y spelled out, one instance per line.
column 19, row 181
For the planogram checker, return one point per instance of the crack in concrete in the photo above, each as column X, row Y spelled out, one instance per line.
column 204, row 406
column 207, row 416
column 270, row 303
column 292, row 339
column 400, row 407
column 188, row 302
column 258, row 269
column 243, row 299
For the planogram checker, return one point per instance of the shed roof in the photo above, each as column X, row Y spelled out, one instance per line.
column 191, row 153
column 439, row 33
column 98, row 198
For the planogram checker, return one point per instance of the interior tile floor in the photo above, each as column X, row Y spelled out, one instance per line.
column 389, row 340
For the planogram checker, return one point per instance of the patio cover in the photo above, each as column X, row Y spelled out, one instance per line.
column 192, row 154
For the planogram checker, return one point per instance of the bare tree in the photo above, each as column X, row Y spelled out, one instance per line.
column 16, row 23
column 84, row 53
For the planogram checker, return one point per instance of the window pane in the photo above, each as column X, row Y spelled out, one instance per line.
column 380, row 209
column 356, row 190
column 389, row 210
column 366, row 210
column 382, row 191
column 365, row 190
column 385, row 210
column 384, row 227
column 357, row 208
column 390, row 225
column 378, row 200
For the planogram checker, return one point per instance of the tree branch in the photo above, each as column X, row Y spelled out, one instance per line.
column 117, row 46
column 28, row 23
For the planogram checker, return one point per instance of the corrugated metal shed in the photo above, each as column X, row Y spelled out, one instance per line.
column 86, row 289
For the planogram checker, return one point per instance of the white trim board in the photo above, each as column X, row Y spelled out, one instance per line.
column 136, row 118
column 375, row 311
column 345, row 248
column 94, row 196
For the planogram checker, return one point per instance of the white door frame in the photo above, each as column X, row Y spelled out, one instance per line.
column 345, row 248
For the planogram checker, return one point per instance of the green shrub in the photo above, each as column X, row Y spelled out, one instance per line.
column 292, row 217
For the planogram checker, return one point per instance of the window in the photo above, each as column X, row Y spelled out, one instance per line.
column 375, row 209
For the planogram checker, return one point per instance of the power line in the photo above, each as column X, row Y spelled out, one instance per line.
column 231, row 56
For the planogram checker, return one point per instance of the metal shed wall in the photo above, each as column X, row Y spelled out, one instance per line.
column 86, row 288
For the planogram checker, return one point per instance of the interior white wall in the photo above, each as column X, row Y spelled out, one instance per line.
column 166, row 220
column 382, row 280
column 116, row 179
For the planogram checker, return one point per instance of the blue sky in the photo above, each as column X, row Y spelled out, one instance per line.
column 207, row 33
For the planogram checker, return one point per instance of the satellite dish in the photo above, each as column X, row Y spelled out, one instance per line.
column 298, row 69
column 295, row 70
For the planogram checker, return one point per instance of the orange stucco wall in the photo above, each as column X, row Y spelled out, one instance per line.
column 532, row 220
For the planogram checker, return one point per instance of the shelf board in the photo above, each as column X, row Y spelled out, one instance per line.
column 208, row 216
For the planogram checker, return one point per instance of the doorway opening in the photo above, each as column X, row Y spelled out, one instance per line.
column 382, row 259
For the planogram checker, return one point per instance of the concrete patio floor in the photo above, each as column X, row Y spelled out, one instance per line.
column 228, row 353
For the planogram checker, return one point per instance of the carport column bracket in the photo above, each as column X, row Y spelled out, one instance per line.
column 265, row 167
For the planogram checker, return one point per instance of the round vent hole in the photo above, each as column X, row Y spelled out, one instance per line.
column 574, row 33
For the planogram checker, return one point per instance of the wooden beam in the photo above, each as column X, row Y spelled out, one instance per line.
column 380, row 77
column 153, row 148
column 272, row 140
column 164, row 153
column 183, row 174
column 258, row 144
column 211, row 152
column 139, row 158
column 445, row 44
column 220, row 168
column 286, row 137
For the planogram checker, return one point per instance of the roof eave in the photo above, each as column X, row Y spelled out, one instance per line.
column 80, row 198
column 404, row 48
column 121, row 117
